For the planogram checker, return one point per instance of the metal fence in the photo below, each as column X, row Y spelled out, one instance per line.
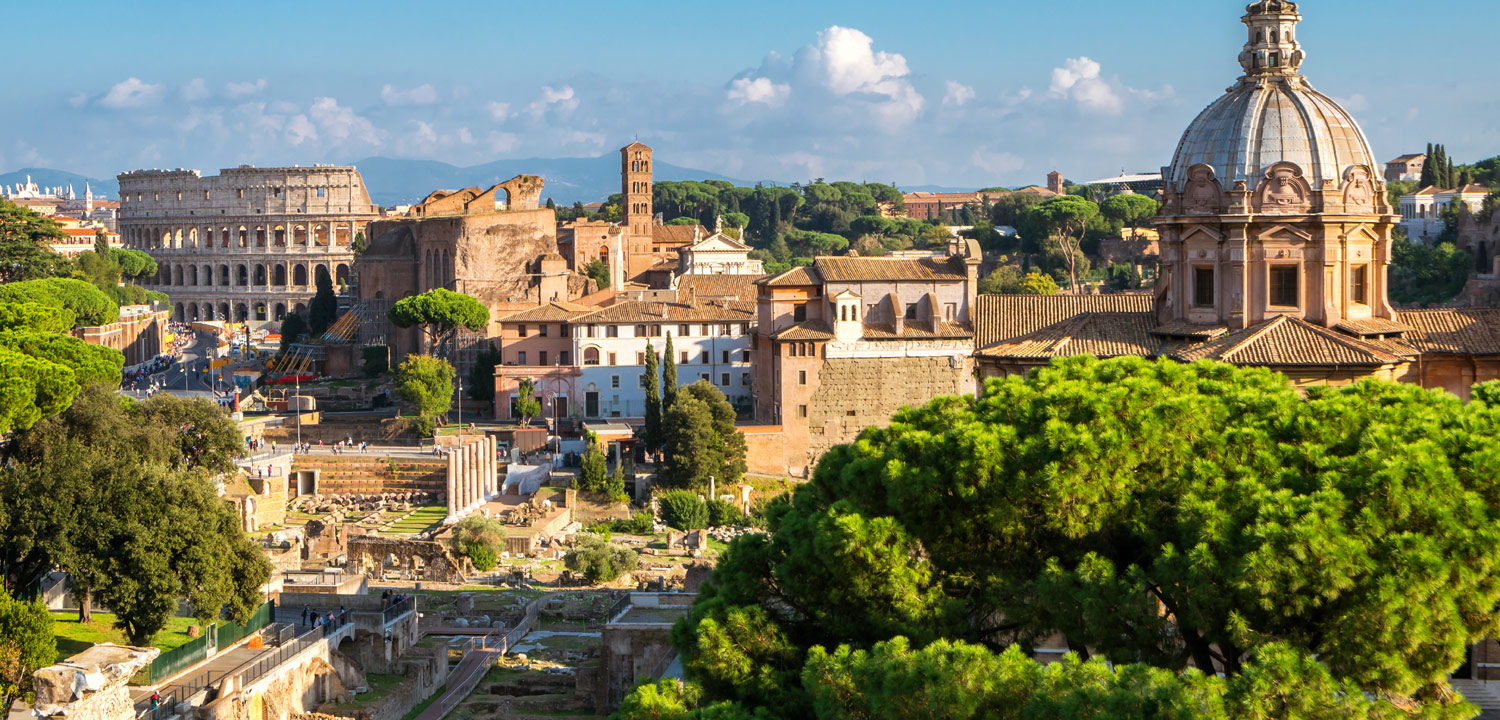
column 395, row 610
column 230, row 633
column 260, row 667
column 195, row 651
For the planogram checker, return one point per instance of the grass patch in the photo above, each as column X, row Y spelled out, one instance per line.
column 74, row 637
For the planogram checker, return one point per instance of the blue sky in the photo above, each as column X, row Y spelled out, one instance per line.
column 956, row 93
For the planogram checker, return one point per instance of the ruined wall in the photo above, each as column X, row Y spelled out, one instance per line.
column 427, row 559
column 92, row 684
column 628, row 655
column 855, row 393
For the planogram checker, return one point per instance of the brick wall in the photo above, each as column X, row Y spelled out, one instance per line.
column 855, row 393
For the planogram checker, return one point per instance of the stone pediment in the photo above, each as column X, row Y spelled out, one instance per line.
column 1285, row 232
column 719, row 242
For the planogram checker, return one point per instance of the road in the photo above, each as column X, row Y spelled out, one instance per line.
column 190, row 376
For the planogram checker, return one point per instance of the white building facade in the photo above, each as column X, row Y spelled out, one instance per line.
column 1421, row 211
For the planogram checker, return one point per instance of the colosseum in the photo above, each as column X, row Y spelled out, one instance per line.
column 249, row 243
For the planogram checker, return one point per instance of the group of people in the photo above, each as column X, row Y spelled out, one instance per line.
column 342, row 446
column 391, row 599
column 316, row 619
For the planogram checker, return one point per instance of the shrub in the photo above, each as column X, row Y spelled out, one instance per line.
column 684, row 510
column 721, row 512
column 483, row 556
column 595, row 470
column 598, row 561
column 637, row 524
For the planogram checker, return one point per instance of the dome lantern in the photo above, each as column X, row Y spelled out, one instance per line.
column 1272, row 48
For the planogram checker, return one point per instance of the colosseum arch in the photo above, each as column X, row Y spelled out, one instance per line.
column 320, row 235
column 341, row 274
column 207, row 276
column 300, row 309
column 177, row 275
column 223, row 311
column 320, row 271
column 260, row 312
column 279, row 275
column 280, row 312
column 260, row 236
column 299, row 274
column 193, row 311
column 260, row 274
column 244, row 235
column 341, row 236
column 192, row 236
column 241, row 312
column 224, row 275
column 278, row 234
column 243, row 276
column 299, row 235
column 179, row 313
column 192, row 275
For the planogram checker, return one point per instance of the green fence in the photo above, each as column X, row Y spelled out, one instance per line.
column 180, row 658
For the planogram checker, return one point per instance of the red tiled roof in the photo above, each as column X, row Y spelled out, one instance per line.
column 1464, row 331
column 796, row 276
column 1372, row 326
column 880, row 269
column 810, row 330
column 550, row 312
column 735, row 287
column 677, row 234
column 1006, row 317
column 1284, row 341
column 916, row 330
column 643, row 311
column 1103, row 335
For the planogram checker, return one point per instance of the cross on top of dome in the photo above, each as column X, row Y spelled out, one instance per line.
column 1272, row 49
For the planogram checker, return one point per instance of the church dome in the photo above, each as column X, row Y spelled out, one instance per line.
column 1271, row 115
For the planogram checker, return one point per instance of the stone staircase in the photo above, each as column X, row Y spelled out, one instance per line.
column 1480, row 694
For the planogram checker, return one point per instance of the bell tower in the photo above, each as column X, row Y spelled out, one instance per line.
column 635, row 188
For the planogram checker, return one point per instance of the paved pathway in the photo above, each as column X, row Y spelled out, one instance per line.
column 461, row 682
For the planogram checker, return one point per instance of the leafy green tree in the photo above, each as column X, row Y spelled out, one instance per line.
column 482, row 373
column 101, row 271
column 1036, row 283
column 26, row 644
column 375, row 360
column 614, row 487
column 1158, row 516
column 651, row 427
column 359, row 245
column 668, row 376
column 482, row 556
column 101, row 242
column 293, row 327
column 1067, row 218
column 1131, row 210
column 700, row 440
column 722, row 513
column 1422, row 274
column 89, row 362
column 1008, row 279
column 25, row 245
column 118, row 494
column 595, row 470
column 599, row 271
column 597, row 560
column 133, row 264
column 35, row 317
column 736, row 220
column 427, row 383
column 89, row 305
column 527, row 406
column 440, row 313
column 323, row 309
column 479, row 538
column 683, row 509
column 32, row 389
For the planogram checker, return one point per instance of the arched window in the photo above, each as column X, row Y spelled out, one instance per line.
column 299, row 274
column 591, row 356
column 1273, row 37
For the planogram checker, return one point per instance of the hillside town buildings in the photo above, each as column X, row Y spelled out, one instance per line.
column 1422, row 211
column 249, row 243
column 1407, row 168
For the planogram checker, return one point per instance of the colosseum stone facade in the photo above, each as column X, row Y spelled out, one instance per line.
column 249, row 243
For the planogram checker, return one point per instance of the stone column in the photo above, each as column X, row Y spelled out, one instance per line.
column 474, row 473
column 489, row 462
column 453, row 503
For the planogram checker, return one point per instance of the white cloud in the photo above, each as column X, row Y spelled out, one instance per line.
column 560, row 98
column 423, row 94
column 584, row 138
column 1355, row 103
column 498, row 110
column 465, row 137
column 958, row 94
column 1079, row 80
column 131, row 93
column 996, row 163
column 194, row 90
column 237, row 90
column 299, row 130
column 758, row 90
column 424, row 133
column 845, row 61
column 502, row 142
column 341, row 123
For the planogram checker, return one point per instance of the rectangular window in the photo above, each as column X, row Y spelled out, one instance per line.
column 322, row 192
column 276, row 192
column 799, row 313
column 521, row 357
column 640, row 358
column 655, row 331
column 205, row 194
column 1284, row 286
column 725, row 355
column 241, row 194
column 542, row 357
column 640, row 331
column 613, row 330
column 703, row 377
column 801, row 377
column 949, row 310
column 704, row 328
column 802, row 411
column 589, row 331
column 612, row 359
column 520, row 331
column 1203, row 287
column 744, row 328
column 682, row 331
column 641, row 380
column 724, row 379
column 746, row 357
column 724, row 329
column 703, row 360
column 911, row 311
column 562, row 357
column 541, row 330
column 1358, row 285
column 682, row 358
column 745, row 379
column 614, row 381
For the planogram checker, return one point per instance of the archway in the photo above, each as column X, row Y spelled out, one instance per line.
column 192, row 311
column 280, row 275
column 177, row 275
column 299, row 274
column 280, row 312
column 241, row 312
column 244, row 277
column 193, row 275
column 260, row 274
column 223, row 311
column 341, row 274
column 224, row 278
column 260, row 312
column 178, row 313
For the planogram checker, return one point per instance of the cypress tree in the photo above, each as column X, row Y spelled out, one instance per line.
column 668, row 376
column 651, row 432
column 1428, row 165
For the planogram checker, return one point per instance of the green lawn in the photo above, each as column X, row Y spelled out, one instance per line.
column 380, row 686
column 422, row 518
column 74, row 638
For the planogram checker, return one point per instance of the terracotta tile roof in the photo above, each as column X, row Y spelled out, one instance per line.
column 1473, row 189
column 917, row 330
column 795, row 276
column 736, row 287
column 810, row 330
column 1286, row 341
column 1429, row 190
column 1472, row 331
column 1037, row 190
column 1005, row 317
column 879, row 269
column 551, row 312
column 677, row 234
column 1372, row 326
column 1102, row 335
column 643, row 311
column 1404, row 158
column 1179, row 329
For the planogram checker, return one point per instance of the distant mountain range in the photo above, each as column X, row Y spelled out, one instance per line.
column 46, row 177
column 394, row 181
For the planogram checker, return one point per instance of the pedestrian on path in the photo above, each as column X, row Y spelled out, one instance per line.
column 305, row 612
